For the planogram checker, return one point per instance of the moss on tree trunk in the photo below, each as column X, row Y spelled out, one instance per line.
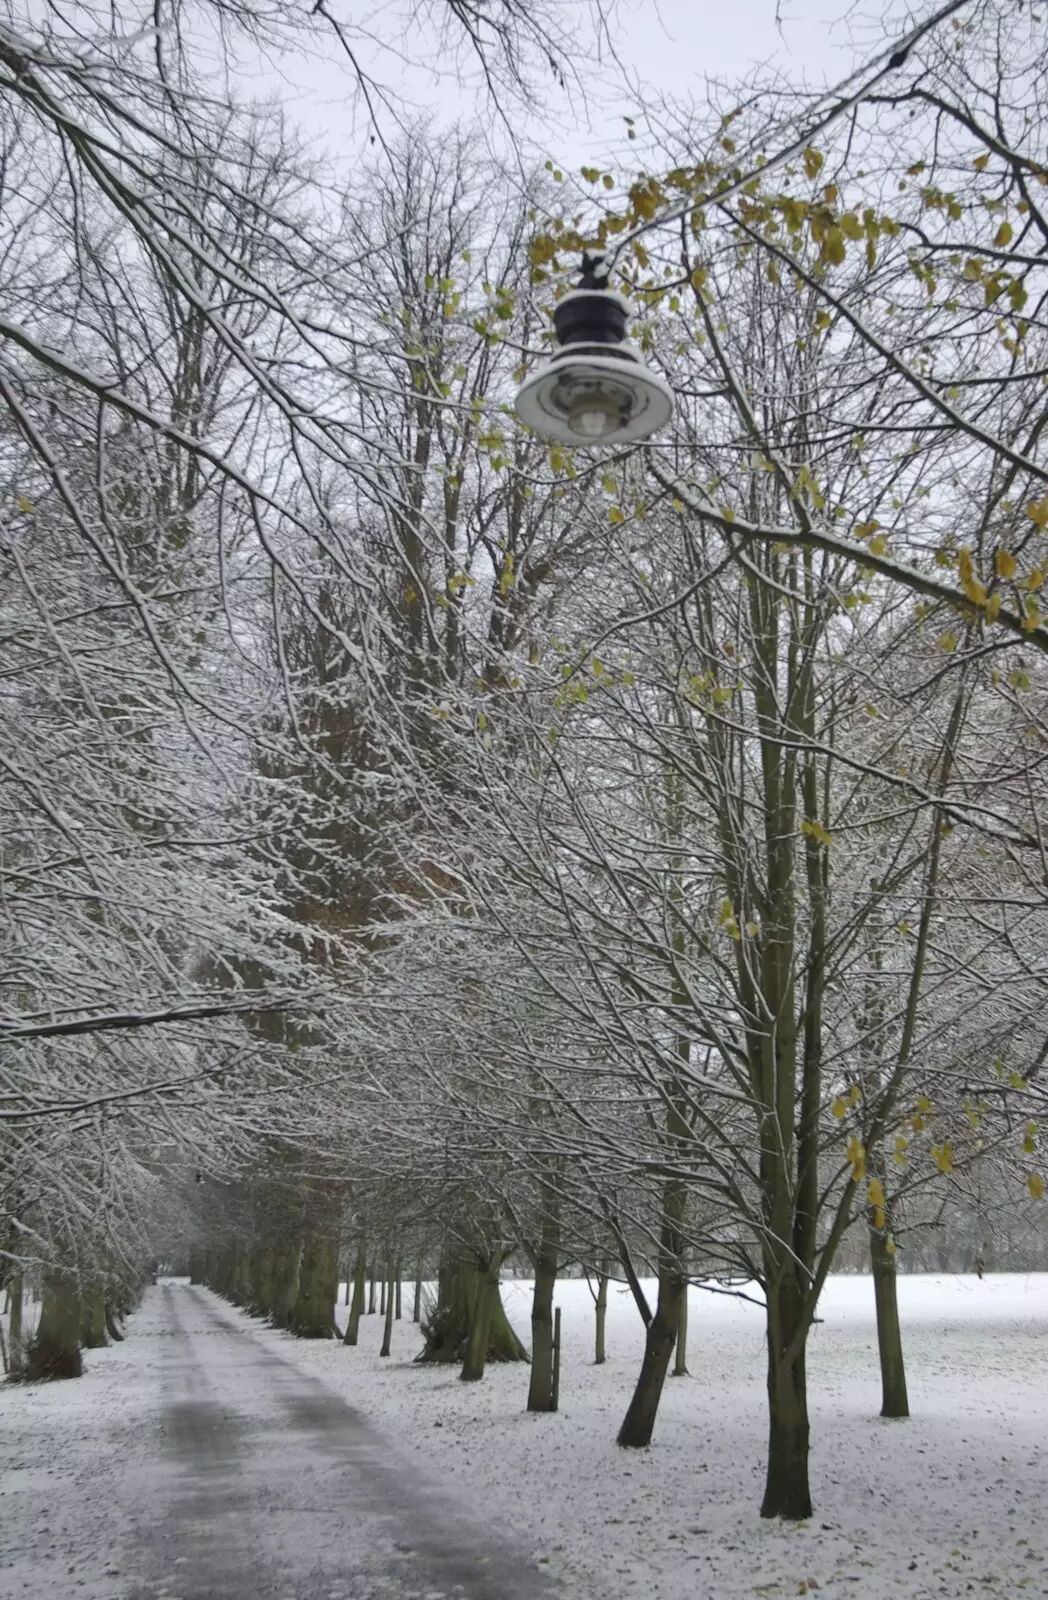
column 894, row 1398
column 359, row 1288
column 680, row 1354
column 540, row 1389
column 93, row 1317
column 313, row 1313
column 786, row 1489
column 601, row 1309
column 447, row 1327
column 55, row 1349
column 16, row 1355
column 387, row 1330
column 284, row 1283
column 639, row 1422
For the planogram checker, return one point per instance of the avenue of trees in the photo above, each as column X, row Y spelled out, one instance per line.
column 423, row 849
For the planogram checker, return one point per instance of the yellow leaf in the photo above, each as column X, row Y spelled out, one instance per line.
column 890, row 1247
column 1003, row 236
column 608, row 483
column 24, row 504
column 1037, row 511
column 942, row 1155
column 924, row 1105
column 1035, row 1184
column 875, row 1192
column 878, row 545
column 980, row 162
column 615, row 515
column 608, row 181
column 838, row 1107
column 814, row 161
column 752, row 930
column 880, row 1218
column 857, row 1157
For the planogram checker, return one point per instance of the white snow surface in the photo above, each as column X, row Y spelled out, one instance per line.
column 952, row 1502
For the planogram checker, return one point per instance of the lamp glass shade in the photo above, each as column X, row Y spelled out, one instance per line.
column 585, row 395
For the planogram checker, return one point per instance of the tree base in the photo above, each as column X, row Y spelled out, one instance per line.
column 48, row 1363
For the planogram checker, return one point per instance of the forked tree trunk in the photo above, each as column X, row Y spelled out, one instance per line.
column 357, row 1305
column 894, row 1399
column 54, row 1352
column 387, row 1331
column 680, row 1360
column 602, row 1315
column 786, row 1490
column 540, row 1389
column 448, row 1328
column 639, row 1421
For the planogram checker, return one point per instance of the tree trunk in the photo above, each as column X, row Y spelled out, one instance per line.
column 602, row 1313
column 93, row 1317
column 487, row 1288
column 786, row 1490
column 111, row 1327
column 284, row 1281
column 371, row 1295
column 448, row 1327
column 260, row 1293
column 416, row 1312
column 16, row 1290
column 387, row 1331
column 540, row 1390
column 397, row 1274
column 895, row 1402
column 55, row 1350
column 680, row 1361
column 357, row 1306
column 313, row 1314
column 196, row 1266
column 382, row 1296
column 639, row 1421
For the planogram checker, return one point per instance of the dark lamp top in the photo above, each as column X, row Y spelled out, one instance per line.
column 590, row 316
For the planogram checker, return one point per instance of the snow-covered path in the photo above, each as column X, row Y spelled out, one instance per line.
column 237, row 1475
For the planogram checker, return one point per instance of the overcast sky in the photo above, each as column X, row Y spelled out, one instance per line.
column 669, row 49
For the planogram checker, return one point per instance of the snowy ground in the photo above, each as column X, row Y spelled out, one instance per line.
column 951, row 1503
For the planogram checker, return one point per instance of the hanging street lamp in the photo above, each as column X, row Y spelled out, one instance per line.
column 596, row 388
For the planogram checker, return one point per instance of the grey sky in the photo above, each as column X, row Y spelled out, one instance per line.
column 669, row 49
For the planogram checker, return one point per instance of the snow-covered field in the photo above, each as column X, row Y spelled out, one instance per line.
column 951, row 1503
